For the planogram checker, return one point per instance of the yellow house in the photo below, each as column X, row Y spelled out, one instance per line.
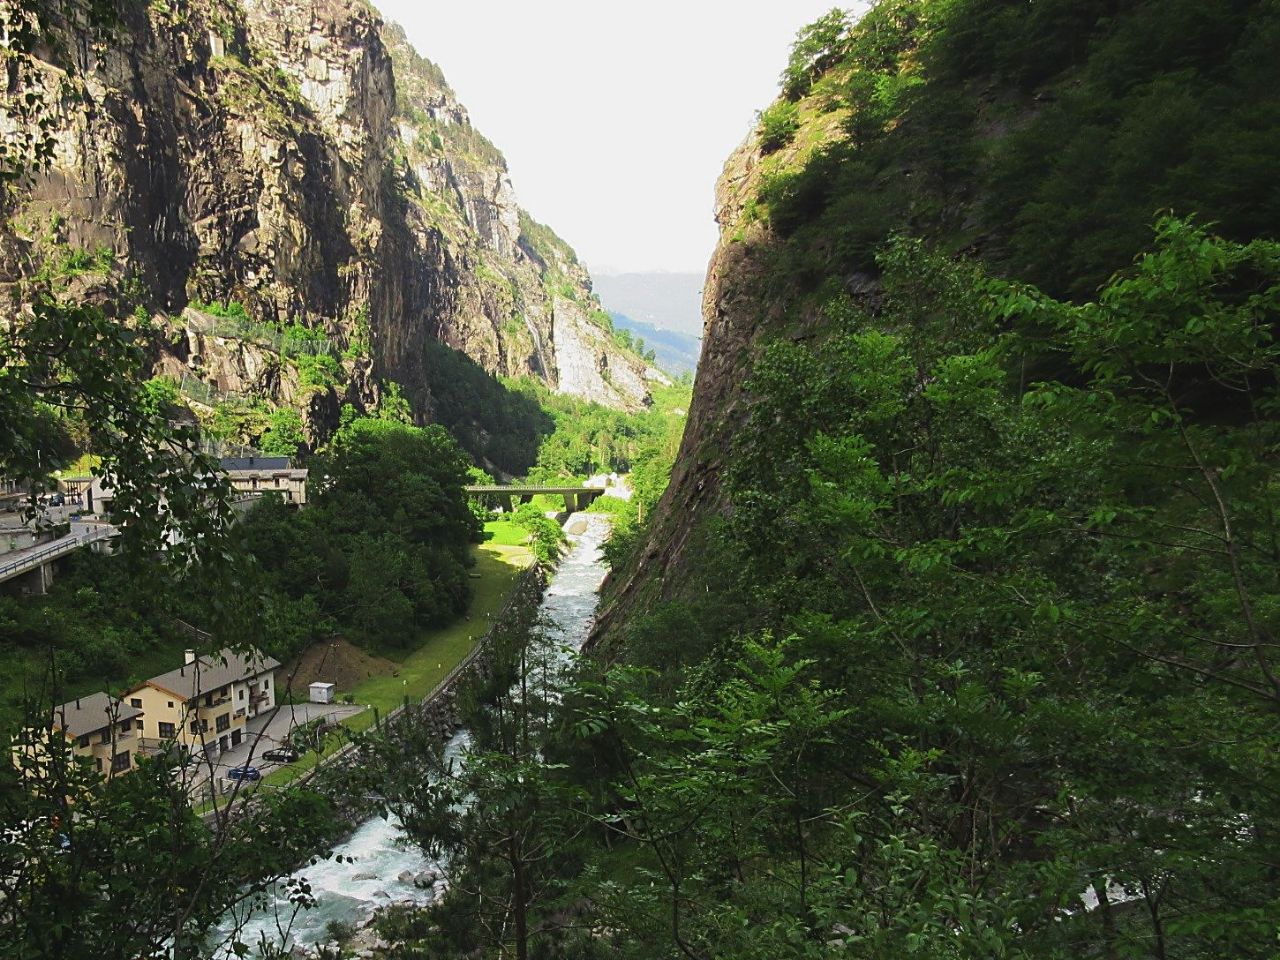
column 202, row 707
column 99, row 728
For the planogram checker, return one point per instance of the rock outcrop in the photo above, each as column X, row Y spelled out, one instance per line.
column 742, row 308
column 299, row 158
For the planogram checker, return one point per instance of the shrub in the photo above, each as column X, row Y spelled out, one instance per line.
column 778, row 125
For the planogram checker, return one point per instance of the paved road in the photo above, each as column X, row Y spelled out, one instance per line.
column 263, row 733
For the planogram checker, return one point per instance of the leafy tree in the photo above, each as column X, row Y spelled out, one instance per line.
column 815, row 48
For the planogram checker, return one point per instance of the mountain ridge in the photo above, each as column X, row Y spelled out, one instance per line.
column 303, row 167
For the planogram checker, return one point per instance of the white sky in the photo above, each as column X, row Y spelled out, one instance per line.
column 615, row 118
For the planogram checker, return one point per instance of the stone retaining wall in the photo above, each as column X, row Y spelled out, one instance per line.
column 439, row 713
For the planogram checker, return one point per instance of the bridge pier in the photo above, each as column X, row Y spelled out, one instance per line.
column 36, row 581
column 581, row 499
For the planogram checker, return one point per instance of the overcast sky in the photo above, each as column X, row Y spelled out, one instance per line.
column 615, row 118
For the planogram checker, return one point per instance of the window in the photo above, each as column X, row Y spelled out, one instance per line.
column 266, row 683
column 84, row 741
column 128, row 725
column 222, row 722
column 169, row 704
column 105, row 736
column 137, row 702
column 204, row 726
column 242, row 693
column 195, row 726
column 167, row 731
column 120, row 762
column 98, row 761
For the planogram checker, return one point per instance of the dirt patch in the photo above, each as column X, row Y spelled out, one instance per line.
column 334, row 661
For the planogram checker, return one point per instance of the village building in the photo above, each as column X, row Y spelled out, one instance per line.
column 99, row 728
column 267, row 475
column 202, row 707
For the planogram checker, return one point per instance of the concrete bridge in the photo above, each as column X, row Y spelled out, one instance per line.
column 575, row 498
column 36, row 563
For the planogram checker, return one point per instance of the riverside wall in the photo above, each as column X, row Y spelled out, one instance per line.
column 437, row 716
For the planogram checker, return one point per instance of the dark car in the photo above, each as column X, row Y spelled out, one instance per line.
column 244, row 773
column 281, row 755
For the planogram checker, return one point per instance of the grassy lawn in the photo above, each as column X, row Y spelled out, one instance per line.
column 505, row 534
column 498, row 564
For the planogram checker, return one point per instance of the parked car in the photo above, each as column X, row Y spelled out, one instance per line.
column 244, row 773
column 281, row 755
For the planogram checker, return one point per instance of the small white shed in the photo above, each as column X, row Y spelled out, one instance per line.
column 322, row 693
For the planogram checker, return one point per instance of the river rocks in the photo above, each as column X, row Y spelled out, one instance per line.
column 364, row 876
column 405, row 876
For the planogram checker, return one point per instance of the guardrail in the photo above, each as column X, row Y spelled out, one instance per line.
column 52, row 551
column 449, row 678
column 528, row 488
column 533, row 571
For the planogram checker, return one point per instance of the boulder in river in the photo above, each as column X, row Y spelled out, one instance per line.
column 364, row 876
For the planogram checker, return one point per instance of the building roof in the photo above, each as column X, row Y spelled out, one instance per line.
column 92, row 713
column 214, row 671
column 254, row 463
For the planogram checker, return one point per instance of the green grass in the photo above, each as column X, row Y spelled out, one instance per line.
column 498, row 565
column 504, row 533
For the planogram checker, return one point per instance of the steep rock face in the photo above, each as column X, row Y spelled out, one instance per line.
column 300, row 158
column 734, row 320
column 950, row 123
column 743, row 308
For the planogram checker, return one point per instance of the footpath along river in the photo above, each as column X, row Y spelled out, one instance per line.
column 386, row 868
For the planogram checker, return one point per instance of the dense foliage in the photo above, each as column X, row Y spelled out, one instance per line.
column 498, row 426
column 1043, row 135
column 522, row 428
column 994, row 675
column 381, row 552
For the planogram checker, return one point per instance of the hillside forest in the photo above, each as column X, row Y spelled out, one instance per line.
column 942, row 622
column 955, row 634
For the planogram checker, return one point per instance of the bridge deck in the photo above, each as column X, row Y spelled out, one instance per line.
column 529, row 488
column 23, row 561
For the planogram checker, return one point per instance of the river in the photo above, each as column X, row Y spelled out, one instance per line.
column 385, row 865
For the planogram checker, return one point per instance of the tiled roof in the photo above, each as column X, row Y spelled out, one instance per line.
column 92, row 713
column 255, row 463
column 214, row 671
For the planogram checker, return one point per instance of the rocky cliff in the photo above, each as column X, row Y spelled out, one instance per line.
column 1040, row 145
column 295, row 172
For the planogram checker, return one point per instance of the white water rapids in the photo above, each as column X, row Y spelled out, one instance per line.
column 385, row 865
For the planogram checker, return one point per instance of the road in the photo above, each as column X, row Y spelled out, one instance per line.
column 262, row 733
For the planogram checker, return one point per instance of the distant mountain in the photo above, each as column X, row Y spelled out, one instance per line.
column 676, row 352
column 669, row 301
